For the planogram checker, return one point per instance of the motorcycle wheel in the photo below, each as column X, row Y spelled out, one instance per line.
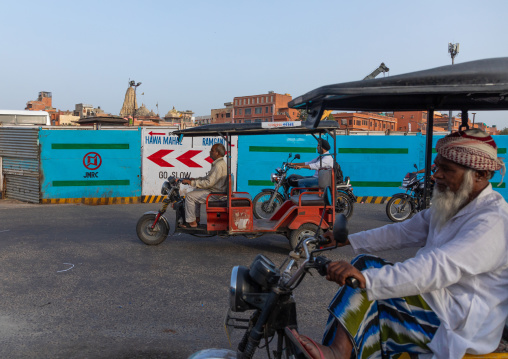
column 399, row 209
column 305, row 230
column 344, row 205
column 260, row 204
column 148, row 235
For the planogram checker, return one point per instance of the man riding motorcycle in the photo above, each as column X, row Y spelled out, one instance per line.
column 451, row 298
column 324, row 160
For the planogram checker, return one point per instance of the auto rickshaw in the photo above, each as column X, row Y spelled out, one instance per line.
column 472, row 86
column 231, row 213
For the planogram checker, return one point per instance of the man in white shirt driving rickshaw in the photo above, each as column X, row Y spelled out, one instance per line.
column 451, row 298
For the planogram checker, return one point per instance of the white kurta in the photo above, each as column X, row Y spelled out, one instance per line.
column 461, row 272
column 323, row 161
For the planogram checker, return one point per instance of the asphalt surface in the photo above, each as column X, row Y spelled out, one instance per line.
column 76, row 282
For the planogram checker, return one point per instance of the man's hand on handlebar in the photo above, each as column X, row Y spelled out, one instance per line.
column 338, row 272
column 332, row 242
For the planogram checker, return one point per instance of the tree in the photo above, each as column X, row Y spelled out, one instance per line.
column 504, row 131
column 302, row 115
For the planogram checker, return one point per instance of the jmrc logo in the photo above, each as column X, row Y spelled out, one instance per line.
column 92, row 161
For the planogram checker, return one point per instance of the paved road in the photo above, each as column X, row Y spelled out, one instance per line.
column 77, row 283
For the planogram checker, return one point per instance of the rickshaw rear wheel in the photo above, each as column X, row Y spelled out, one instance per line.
column 305, row 230
column 150, row 236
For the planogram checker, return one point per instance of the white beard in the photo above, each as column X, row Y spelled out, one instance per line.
column 446, row 204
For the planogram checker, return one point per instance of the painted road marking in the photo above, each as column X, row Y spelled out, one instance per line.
column 65, row 270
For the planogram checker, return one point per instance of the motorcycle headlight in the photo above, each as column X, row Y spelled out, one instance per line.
column 241, row 285
column 263, row 271
column 274, row 178
column 165, row 188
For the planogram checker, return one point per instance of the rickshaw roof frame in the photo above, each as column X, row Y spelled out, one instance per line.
column 475, row 85
column 247, row 129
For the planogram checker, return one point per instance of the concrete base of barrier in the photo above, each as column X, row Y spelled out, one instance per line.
column 158, row 199
column 372, row 199
column 92, row 201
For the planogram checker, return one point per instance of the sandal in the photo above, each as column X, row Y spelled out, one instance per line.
column 297, row 343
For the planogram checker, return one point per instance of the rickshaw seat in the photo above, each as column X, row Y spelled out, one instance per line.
column 325, row 179
column 217, row 200
column 220, row 200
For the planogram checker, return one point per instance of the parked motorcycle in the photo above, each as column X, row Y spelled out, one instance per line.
column 404, row 205
column 267, row 291
column 268, row 201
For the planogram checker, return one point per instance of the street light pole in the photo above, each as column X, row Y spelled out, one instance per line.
column 453, row 49
column 474, row 115
column 135, row 85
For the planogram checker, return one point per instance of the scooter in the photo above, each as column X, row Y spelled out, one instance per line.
column 267, row 291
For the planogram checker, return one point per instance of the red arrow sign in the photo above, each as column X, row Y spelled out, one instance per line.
column 186, row 158
column 157, row 158
column 155, row 133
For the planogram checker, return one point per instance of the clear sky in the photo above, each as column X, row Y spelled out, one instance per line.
column 197, row 55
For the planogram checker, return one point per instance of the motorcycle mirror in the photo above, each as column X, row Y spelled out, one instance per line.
column 297, row 156
column 180, row 138
column 416, row 166
column 340, row 231
column 328, row 196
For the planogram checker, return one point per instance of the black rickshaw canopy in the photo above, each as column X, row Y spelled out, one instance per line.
column 262, row 128
column 477, row 85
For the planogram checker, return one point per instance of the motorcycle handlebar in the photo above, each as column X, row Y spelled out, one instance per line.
column 322, row 268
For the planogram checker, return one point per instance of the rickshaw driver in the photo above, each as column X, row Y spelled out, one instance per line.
column 324, row 160
column 451, row 297
column 215, row 181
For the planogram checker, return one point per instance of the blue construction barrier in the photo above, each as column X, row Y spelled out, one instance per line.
column 90, row 164
column 375, row 164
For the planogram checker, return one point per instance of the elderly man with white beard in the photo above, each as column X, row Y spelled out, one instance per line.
column 451, row 298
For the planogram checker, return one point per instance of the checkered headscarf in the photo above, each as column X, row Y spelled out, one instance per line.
column 473, row 149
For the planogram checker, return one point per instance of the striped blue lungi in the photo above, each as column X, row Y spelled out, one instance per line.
column 380, row 328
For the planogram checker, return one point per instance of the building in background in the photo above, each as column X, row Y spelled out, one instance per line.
column 366, row 121
column 203, row 120
column 223, row 115
column 144, row 117
column 44, row 103
column 83, row 110
column 183, row 119
column 268, row 107
column 65, row 118
column 416, row 121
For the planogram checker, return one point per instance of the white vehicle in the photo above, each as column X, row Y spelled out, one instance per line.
column 24, row 118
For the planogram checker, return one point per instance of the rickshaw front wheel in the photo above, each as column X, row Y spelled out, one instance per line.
column 304, row 231
column 150, row 236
